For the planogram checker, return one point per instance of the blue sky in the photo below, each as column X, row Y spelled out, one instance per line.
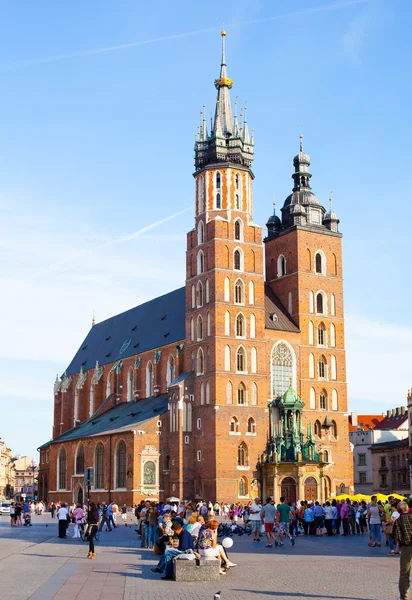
column 99, row 103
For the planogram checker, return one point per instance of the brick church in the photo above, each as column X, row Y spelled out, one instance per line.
column 232, row 385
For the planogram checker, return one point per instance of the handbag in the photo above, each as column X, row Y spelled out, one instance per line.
column 389, row 529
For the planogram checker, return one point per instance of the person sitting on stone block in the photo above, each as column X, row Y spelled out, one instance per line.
column 185, row 544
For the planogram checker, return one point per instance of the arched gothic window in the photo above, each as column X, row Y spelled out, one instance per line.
column 317, row 428
column 241, row 360
column 325, row 456
column 149, row 380
column 199, row 328
column 192, row 329
column 251, row 292
column 239, row 292
column 318, row 263
column 218, row 179
column 200, row 362
column 200, row 233
column 193, row 296
column 120, row 465
column 240, row 326
column 80, row 459
column 322, row 335
column 238, row 230
column 130, row 385
column 200, row 262
column 237, row 181
column 170, row 370
column 320, row 304
column 242, row 458
column 334, row 429
column 251, row 425
column 218, row 201
column 310, row 330
column 99, row 467
column 282, row 369
column 252, row 326
column 234, row 425
column 281, row 266
column 323, row 400
column 237, row 260
column 322, row 368
column 227, row 358
column 242, row 487
column 108, row 385
column 237, row 202
column 199, row 294
column 241, row 394
column 207, row 291
column 62, row 468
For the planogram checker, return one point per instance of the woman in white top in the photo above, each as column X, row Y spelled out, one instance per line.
column 389, row 525
column 328, row 512
column 374, row 516
column 62, row 516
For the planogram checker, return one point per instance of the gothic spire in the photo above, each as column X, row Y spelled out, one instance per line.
column 223, row 114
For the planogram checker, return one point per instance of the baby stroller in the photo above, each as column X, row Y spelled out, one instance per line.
column 27, row 519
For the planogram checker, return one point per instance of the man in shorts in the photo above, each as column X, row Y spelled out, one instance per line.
column 283, row 515
column 268, row 514
column 124, row 514
column 255, row 519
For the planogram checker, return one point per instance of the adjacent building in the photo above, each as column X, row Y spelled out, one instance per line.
column 7, row 472
column 234, row 384
column 390, row 467
column 26, row 473
column 371, row 434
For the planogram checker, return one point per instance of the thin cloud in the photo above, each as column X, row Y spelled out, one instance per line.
column 125, row 238
column 79, row 53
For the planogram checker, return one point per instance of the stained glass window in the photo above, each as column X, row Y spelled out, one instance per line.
column 282, row 369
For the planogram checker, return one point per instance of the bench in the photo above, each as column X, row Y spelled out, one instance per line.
column 196, row 570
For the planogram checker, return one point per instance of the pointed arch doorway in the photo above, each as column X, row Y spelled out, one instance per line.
column 311, row 489
column 79, row 494
column 288, row 489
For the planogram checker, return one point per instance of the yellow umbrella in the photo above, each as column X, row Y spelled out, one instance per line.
column 359, row 497
column 381, row 497
column 397, row 496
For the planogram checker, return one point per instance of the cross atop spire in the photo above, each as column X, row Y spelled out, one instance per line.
column 223, row 114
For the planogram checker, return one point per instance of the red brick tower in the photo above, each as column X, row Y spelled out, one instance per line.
column 304, row 269
column 225, row 308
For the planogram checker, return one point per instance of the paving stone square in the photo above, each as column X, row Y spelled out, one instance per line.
column 36, row 565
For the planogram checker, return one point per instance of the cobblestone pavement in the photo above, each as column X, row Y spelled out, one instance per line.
column 36, row 565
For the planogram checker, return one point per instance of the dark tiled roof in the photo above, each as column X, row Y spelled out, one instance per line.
column 153, row 324
column 393, row 422
column 394, row 444
column 276, row 316
column 123, row 417
column 366, row 421
column 182, row 377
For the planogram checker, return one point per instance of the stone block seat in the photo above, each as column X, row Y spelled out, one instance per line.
column 196, row 570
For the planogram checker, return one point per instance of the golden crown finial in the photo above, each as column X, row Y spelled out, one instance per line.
column 223, row 33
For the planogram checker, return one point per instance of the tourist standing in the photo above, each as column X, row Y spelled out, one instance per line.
column 344, row 517
column 268, row 514
column 374, row 516
column 402, row 534
column 124, row 514
column 62, row 514
column 255, row 519
column 328, row 512
column 318, row 515
column 78, row 517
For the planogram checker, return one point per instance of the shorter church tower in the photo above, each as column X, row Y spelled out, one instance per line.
column 303, row 254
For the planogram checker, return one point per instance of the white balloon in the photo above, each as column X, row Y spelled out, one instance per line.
column 227, row 542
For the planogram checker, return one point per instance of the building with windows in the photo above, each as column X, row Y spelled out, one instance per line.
column 25, row 479
column 232, row 384
column 390, row 467
column 7, row 471
column 367, row 432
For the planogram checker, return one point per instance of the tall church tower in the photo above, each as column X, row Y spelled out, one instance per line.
column 303, row 253
column 225, row 306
